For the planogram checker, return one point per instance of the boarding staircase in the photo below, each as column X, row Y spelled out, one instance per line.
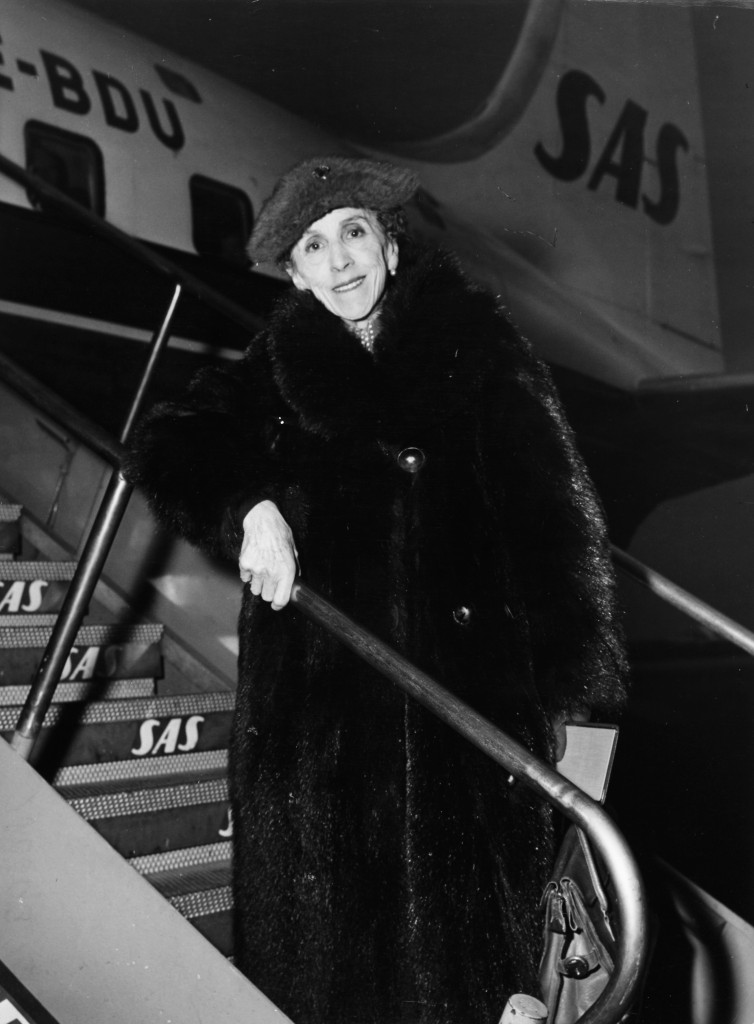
column 146, row 768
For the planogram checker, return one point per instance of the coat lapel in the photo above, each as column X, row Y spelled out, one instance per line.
column 427, row 331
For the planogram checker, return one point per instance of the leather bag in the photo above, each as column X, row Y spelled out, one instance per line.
column 579, row 935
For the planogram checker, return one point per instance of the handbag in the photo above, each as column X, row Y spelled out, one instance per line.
column 579, row 932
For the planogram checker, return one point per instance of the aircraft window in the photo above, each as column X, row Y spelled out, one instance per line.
column 221, row 220
column 70, row 162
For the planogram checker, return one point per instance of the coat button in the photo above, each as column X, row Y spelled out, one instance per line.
column 411, row 460
column 462, row 615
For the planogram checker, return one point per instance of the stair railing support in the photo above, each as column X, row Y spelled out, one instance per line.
column 89, row 568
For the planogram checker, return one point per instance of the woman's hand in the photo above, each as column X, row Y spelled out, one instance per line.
column 268, row 560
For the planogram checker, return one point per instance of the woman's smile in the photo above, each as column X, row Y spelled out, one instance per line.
column 349, row 285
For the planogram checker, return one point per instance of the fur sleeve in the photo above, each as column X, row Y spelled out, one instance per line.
column 558, row 537
column 202, row 462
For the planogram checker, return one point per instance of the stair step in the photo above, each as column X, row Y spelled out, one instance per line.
column 115, row 689
column 211, row 913
column 193, row 881
column 197, row 882
column 10, row 531
column 110, row 777
column 27, row 570
column 199, row 904
column 142, row 821
column 100, row 652
column 147, row 801
column 116, row 730
column 177, row 872
column 33, row 588
column 11, row 621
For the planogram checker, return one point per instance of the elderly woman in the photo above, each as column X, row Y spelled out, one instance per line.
column 390, row 433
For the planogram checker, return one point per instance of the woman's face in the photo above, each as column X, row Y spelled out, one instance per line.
column 344, row 259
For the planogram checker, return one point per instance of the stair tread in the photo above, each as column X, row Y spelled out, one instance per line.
column 194, row 879
column 27, row 569
column 118, row 775
column 91, row 790
column 131, row 709
column 143, row 801
column 202, row 904
column 209, row 855
column 28, row 619
column 101, row 689
column 92, row 635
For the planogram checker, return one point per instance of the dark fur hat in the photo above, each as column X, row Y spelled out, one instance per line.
column 314, row 187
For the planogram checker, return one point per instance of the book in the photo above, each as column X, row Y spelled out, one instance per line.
column 588, row 758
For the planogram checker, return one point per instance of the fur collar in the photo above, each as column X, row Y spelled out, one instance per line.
column 432, row 327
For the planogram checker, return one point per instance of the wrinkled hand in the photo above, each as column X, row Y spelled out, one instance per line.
column 268, row 559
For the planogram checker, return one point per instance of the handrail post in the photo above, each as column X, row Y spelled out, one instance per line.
column 89, row 568
column 71, row 615
column 159, row 342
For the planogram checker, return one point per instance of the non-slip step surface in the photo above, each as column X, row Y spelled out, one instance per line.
column 201, row 904
column 193, row 879
column 144, row 821
column 213, row 856
column 21, row 619
column 106, row 777
column 96, row 689
column 147, row 801
column 97, row 635
column 174, row 706
column 26, row 571
column 211, row 913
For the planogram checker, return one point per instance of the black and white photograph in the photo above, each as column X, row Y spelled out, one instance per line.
column 376, row 511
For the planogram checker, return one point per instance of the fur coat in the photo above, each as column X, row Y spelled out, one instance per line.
column 385, row 870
